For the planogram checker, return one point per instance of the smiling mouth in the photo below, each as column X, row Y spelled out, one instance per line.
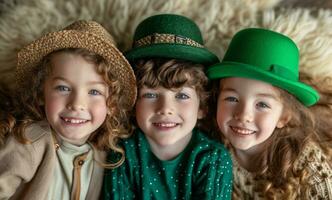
column 74, row 121
column 165, row 125
column 242, row 131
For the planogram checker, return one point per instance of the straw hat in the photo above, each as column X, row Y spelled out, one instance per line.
column 81, row 34
column 267, row 56
column 170, row 36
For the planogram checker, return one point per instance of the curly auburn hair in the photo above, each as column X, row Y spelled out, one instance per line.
column 276, row 174
column 30, row 107
column 173, row 74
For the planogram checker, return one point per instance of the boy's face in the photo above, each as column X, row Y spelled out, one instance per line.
column 75, row 97
column 248, row 112
column 167, row 117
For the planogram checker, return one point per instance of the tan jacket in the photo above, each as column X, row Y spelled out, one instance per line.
column 26, row 170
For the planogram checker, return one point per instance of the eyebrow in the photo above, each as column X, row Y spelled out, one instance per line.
column 227, row 89
column 266, row 95
column 89, row 82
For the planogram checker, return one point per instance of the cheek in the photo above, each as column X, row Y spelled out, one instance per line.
column 53, row 102
column 99, row 110
column 53, row 105
column 139, row 106
column 268, row 123
column 190, row 109
column 222, row 114
column 141, row 111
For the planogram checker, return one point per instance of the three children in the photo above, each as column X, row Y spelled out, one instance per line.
column 75, row 89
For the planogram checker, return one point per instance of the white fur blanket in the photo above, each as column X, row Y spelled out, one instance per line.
column 25, row 20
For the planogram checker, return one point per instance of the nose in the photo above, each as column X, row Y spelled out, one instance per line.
column 77, row 102
column 165, row 106
column 244, row 114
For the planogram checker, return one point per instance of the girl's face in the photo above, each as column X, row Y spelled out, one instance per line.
column 75, row 97
column 248, row 111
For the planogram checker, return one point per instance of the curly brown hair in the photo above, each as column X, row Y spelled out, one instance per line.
column 276, row 173
column 172, row 74
column 30, row 107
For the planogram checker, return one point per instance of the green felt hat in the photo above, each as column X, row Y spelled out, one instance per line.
column 266, row 56
column 170, row 36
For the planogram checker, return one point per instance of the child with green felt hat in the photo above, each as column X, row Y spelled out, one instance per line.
column 169, row 157
column 263, row 116
column 172, row 37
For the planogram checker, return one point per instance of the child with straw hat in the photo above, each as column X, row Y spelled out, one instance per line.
column 74, row 90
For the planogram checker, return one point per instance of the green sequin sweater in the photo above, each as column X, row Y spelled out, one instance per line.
column 202, row 171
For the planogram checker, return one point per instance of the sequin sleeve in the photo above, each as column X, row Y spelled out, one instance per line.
column 214, row 175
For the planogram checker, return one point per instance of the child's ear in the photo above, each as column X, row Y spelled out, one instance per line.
column 284, row 119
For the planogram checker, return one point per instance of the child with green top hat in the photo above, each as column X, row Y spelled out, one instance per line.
column 263, row 115
column 168, row 157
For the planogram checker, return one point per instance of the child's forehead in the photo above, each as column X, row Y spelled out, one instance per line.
column 71, row 66
column 67, row 58
column 66, row 55
column 163, row 88
column 247, row 85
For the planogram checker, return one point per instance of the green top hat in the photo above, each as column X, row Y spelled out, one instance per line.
column 170, row 36
column 267, row 56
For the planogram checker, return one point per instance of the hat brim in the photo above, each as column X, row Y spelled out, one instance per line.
column 30, row 56
column 173, row 51
column 306, row 94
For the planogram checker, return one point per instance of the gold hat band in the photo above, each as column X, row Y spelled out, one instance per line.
column 158, row 38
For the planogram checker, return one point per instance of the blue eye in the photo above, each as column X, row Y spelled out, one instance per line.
column 231, row 99
column 149, row 95
column 181, row 95
column 94, row 92
column 262, row 105
column 62, row 88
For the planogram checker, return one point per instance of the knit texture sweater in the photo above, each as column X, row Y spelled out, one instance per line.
column 312, row 159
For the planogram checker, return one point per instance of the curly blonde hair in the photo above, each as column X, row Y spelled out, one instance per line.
column 30, row 107
column 276, row 174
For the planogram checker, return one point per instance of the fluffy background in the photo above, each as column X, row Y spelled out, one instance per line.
column 308, row 24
